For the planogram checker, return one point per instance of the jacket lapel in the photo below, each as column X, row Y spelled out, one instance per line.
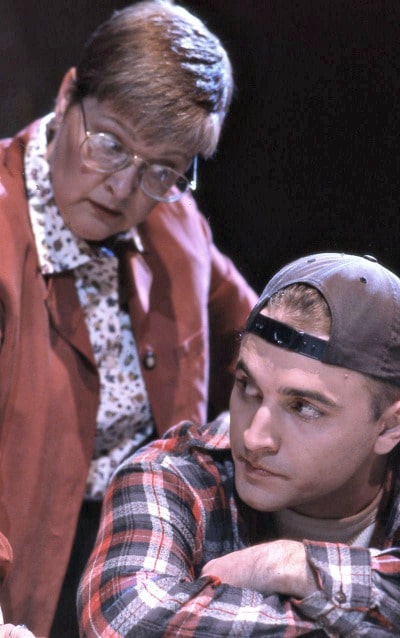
column 66, row 313
column 136, row 282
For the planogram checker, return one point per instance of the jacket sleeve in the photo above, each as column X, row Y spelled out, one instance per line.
column 230, row 302
column 1, row 323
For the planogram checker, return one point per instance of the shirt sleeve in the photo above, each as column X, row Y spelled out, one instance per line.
column 359, row 590
column 143, row 576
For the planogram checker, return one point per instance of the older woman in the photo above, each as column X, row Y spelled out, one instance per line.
column 115, row 305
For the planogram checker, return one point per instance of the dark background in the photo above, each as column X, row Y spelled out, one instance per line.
column 309, row 158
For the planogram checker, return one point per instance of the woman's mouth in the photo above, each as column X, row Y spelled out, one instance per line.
column 104, row 210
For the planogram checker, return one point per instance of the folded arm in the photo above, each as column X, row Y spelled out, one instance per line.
column 144, row 575
column 150, row 573
column 347, row 590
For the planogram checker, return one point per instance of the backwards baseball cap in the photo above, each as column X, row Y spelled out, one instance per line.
column 364, row 301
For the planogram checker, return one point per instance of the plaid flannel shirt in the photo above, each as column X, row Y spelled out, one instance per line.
column 172, row 507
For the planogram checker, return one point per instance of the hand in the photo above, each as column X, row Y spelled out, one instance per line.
column 278, row 567
column 15, row 631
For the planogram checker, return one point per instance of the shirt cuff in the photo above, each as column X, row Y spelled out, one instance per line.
column 344, row 577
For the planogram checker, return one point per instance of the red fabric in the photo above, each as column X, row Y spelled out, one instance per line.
column 6, row 557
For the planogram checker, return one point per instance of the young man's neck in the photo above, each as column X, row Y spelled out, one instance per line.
column 352, row 530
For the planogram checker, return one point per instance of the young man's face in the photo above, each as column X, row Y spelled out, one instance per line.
column 302, row 434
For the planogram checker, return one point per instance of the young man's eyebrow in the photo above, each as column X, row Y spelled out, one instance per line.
column 313, row 395
column 309, row 394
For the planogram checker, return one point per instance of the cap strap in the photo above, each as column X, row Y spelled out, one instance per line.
column 279, row 334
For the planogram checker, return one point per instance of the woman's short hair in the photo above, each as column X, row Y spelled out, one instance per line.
column 161, row 67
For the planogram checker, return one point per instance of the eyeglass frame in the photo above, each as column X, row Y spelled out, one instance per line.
column 132, row 158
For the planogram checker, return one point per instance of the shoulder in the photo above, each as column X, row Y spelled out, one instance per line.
column 12, row 148
column 181, row 219
column 12, row 184
column 188, row 465
column 14, row 220
column 178, row 246
column 184, row 441
column 213, row 436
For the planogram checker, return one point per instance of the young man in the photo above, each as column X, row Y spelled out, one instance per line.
column 288, row 524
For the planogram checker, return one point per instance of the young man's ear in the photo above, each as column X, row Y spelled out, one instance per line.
column 389, row 436
column 64, row 93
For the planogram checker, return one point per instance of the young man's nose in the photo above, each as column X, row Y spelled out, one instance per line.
column 262, row 432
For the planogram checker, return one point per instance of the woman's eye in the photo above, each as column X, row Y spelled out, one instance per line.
column 105, row 145
column 112, row 145
column 163, row 174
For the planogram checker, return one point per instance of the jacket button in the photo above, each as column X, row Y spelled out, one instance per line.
column 149, row 360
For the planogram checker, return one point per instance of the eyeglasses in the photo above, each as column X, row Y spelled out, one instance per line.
column 103, row 153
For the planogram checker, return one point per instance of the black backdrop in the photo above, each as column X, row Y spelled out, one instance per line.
column 309, row 158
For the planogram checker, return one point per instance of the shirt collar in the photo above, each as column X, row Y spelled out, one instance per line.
column 214, row 436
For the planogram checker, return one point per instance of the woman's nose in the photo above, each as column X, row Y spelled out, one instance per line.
column 262, row 431
column 124, row 182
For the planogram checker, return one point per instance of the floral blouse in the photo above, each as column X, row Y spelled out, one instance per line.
column 124, row 419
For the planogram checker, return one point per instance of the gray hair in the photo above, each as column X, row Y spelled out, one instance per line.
column 159, row 65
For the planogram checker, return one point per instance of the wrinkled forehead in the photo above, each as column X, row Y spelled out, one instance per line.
column 131, row 129
column 194, row 131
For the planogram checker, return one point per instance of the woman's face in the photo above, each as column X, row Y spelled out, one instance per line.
column 96, row 205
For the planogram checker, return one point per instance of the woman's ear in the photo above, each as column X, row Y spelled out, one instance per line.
column 65, row 93
column 389, row 436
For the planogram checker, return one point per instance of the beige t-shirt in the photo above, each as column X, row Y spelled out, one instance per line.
column 354, row 530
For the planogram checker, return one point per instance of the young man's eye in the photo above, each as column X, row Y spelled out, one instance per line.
column 241, row 382
column 306, row 410
column 246, row 388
